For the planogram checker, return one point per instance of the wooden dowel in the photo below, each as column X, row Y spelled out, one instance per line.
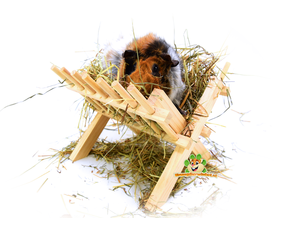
column 153, row 126
column 100, row 104
column 160, row 115
column 59, row 73
column 124, row 94
column 169, row 131
column 224, row 70
column 93, row 103
column 86, row 77
column 108, row 89
column 68, row 75
column 140, row 99
column 223, row 91
column 77, row 75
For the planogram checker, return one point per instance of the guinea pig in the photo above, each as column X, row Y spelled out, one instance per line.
column 149, row 61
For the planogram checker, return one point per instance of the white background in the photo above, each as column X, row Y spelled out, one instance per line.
column 35, row 34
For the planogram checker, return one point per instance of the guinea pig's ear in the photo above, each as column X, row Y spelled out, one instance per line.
column 174, row 63
column 129, row 54
column 167, row 58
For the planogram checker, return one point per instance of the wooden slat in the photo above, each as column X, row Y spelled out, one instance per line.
column 223, row 92
column 224, row 71
column 77, row 76
column 86, row 77
column 100, row 104
column 89, row 137
column 124, row 94
column 62, row 76
column 140, row 99
column 108, row 89
column 167, row 180
column 68, row 75
column 160, row 99
column 178, row 123
column 169, row 131
column 160, row 115
column 206, row 132
column 98, row 108
column 182, row 141
column 152, row 124
column 199, row 148
column 136, row 120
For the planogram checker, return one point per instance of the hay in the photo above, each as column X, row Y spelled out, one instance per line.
column 141, row 159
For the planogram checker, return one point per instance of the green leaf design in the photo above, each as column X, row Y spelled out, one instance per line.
column 192, row 156
column 186, row 163
column 186, row 170
column 203, row 162
column 198, row 156
column 204, row 170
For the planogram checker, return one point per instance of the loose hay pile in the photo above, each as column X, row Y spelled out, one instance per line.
column 142, row 158
column 199, row 66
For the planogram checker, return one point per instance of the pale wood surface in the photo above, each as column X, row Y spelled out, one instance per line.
column 167, row 179
column 199, row 148
column 152, row 124
column 58, row 72
column 108, row 89
column 86, row 77
column 224, row 91
column 160, row 115
column 68, row 75
column 206, row 132
column 169, row 131
column 224, row 71
column 78, row 76
column 89, row 137
column 160, row 99
column 140, row 99
column 124, row 94
column 91, row 101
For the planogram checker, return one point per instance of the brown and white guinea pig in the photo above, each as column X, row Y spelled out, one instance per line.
column 159, row 66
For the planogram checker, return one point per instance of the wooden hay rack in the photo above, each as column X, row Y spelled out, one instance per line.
column 157, row 111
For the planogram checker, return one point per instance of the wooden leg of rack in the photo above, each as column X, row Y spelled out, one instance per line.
column 199, row 148
column 167, row 179
column 89, row 137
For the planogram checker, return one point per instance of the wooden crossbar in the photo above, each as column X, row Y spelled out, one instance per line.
column 158, row 112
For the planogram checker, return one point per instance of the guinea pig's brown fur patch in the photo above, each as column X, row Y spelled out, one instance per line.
column 144, row 74
column 142, row 43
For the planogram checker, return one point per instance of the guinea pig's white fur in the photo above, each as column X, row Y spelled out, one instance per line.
column 113, row 54
column 175, row 78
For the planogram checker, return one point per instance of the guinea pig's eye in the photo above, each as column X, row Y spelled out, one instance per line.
column 155, row 68
column 196, row 162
